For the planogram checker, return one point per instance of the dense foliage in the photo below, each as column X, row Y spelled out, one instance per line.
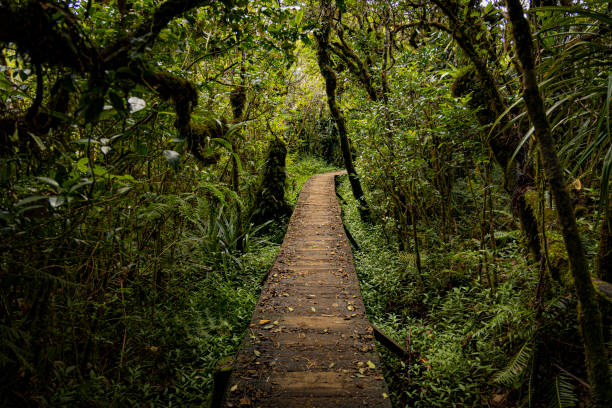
column 150, row 152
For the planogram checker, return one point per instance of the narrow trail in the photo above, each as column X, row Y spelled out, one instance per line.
column 310, row 343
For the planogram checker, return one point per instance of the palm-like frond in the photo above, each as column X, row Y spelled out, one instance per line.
column 562, row 392
column 576, row 80
column 521, row 361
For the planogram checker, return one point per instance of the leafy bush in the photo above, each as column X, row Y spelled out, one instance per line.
column 470, row 345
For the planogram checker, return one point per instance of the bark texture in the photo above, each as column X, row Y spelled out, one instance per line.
column 604, row 252
column 589, row 316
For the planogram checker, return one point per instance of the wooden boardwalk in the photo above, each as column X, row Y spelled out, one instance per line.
column 310, row 343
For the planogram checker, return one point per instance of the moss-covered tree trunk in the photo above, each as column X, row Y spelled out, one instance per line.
column 589, row 316
column 238, row 98
column 518, row 179
column 324, row 60
column 604, row 252
column 270, row 203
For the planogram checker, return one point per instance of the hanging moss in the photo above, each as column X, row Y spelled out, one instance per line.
column 184, row 95
column 466, row 82
column 270, row 203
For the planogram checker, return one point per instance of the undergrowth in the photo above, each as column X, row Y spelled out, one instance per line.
column 153, row 334
column 469, row 345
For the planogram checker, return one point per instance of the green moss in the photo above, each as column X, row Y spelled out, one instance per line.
column 464, row 82
column 558, row 263
column 270, row 202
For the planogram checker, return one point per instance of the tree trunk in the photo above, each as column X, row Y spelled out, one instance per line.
column 518, row 179
column 589, row 316
column 322, row 38
column 604, row 252
column 238, row 98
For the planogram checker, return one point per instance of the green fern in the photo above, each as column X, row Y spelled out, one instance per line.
column 562, row 392
column 519, row 363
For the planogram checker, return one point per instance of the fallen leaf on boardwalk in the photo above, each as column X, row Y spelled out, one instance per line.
column 291, row 309
column 313, row 309
column 245, row 401
column 371, row 365
column 275, row 322
column 331, row 365
column 257, row 353
column 234, row 387
column 360, row 363
column 311, row 296
column 361, row 371
column 268, row 327
column 384, row 394
column 285, row 294
column 349, row 307
column 262, row 322
column 334, row 304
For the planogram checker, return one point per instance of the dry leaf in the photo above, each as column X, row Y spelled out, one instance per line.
column 371, row 365
column 265, row 321
column 234, row 387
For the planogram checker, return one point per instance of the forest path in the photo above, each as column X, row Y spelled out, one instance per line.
column 310, row 343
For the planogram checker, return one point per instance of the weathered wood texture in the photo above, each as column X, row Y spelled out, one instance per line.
column 309, row 343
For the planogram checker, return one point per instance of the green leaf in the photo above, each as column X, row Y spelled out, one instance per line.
column 83, row 165
column 38, row 141
column 30, row 199
column 222, row 142
column 49, row 181
column 78, row 186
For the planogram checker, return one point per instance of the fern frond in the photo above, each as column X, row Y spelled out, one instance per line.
column 562, row 393
column 513, row 371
